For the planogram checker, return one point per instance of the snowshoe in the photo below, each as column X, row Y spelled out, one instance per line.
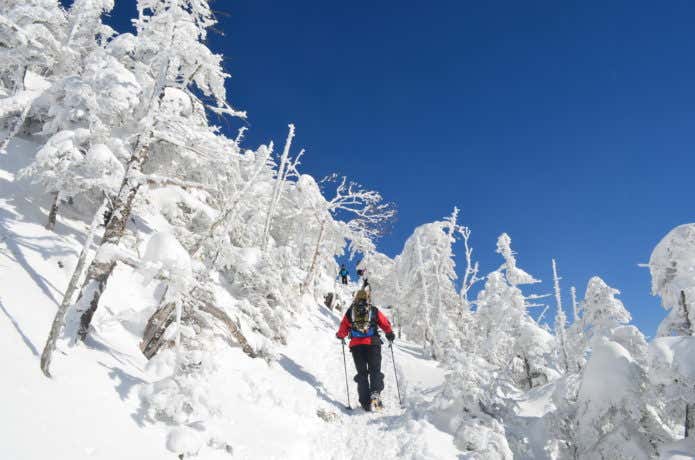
column 377, row 405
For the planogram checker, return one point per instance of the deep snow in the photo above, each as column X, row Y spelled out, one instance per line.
column 91, row 409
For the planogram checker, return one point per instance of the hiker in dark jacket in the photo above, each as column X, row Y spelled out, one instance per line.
column 361, row 322
column 362, row 273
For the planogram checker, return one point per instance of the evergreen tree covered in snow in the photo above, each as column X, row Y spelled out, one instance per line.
column 673, row 280
column 509, row 337
column 607, row 409
column 671, row 266
column 603, row 312
column 32, row 34
column 428, row 306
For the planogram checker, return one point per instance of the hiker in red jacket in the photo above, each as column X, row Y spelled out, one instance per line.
column 361, row 322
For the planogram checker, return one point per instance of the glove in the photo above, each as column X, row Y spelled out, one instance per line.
column 390, row 337
column 342, row 339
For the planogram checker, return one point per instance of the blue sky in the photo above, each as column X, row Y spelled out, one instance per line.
column 568, row 125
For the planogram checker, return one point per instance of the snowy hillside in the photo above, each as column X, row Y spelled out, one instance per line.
column 93, row 407
column 170, row 292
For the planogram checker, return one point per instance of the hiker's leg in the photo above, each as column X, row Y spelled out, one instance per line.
column 359, row 355
column 376, row 378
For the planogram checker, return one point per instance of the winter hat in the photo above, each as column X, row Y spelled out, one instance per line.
column 361, row 295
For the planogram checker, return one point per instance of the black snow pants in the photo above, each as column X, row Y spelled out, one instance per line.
column 369, row 377
column 344, row 279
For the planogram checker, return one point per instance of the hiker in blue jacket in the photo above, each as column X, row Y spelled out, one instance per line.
column 343, row 273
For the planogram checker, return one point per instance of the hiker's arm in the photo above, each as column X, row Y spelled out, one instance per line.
column 344, row 328
column 383, row 323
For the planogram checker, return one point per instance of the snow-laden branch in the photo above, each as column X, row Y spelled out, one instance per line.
column 161, row 181
column 277, row 189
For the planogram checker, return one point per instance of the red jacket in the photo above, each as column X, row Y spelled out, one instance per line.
column 346, row 324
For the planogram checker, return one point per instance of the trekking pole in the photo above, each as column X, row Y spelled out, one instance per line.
column 347, row 388
column 395, row 374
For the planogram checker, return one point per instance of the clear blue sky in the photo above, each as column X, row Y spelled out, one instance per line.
column 569, row 125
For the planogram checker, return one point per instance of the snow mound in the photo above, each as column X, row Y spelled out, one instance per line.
column 184, row 440
column 680, row 450
column 610, row 366
column 164, row 249
column 673, row 354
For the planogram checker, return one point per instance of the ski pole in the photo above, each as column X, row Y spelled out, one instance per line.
column 347, row 388
column 395, row 374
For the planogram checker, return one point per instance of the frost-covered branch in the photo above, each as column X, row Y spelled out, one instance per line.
column 470, row 274
column 560, row 320
column 277, row 189
column 575, row 306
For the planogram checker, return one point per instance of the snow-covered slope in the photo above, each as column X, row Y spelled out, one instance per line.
column 291, row 408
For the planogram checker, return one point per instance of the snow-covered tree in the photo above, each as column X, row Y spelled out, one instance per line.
column 363, row 212
column 285, row 168
column 67, row 166
column 603, row 312
column 32, row 38
column 470, row 273
column 673, row 278
column 466, row 407
column 31, row 34
column 173, row 58
column 509, row 337
column 612, row 416
column 427, row 303
column 514, row 275
column 91, row 93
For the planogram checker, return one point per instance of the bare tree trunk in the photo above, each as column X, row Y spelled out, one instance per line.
column 53, row 213
column 231, row 327
column 686, row 314
column 689, row 408
column 47, row 354
column 689, row 420
column 314, row 259
column 164, row 316
column 99, row 271
column 282, row 171
column 527, row 369
column 156, row 325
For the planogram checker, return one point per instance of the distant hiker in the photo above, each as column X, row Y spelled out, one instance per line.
column 361, row 323
column 343, row 273
column 362, row 273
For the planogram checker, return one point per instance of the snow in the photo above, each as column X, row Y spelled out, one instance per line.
column 673, row 260
column 164, row 249
column 93, row 407
column 184, row 440
column 680, row 450
column 674, row 354
column 537, row 403
column 34, row 85
column 209, row 337
column 610, row 366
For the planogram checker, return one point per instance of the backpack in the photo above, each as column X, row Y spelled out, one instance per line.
column 363, row 320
